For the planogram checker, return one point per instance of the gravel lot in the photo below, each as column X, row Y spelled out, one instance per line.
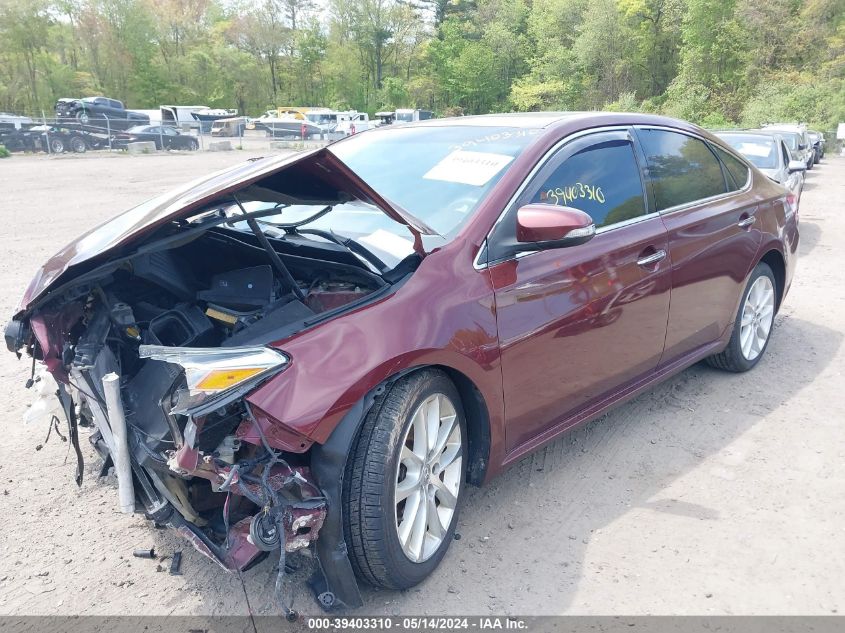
column 711, row 494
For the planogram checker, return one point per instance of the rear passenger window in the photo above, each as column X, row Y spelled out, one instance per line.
column 602, row 180
column 682, row 168
column 737, row 170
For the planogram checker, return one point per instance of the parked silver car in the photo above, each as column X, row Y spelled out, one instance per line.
column 802, row 147
column 817, row 140
column 768, row 151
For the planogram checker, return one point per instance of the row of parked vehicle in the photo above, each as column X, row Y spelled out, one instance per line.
column 782, row 151
column 68, row 137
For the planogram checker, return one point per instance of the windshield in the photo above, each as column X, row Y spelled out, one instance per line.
column 761, row 151
column 439, row 174
column 405, row 116
column 321, row 118
column 791, row 140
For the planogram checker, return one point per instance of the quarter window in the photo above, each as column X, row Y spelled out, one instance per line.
column 737, row 170
column 682, row 168
column 602, row 180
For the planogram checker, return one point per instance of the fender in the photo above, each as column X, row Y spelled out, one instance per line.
column 334, row 365
column 334, row 583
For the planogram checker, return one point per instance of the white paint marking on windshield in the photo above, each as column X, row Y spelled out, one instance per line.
column 468, row 168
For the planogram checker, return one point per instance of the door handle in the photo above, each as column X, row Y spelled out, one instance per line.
column 652, row 259
column 746, row 222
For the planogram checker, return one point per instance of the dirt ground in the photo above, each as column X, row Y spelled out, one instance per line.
column 711, row 494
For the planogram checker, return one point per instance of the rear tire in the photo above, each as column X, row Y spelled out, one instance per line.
column 383, row 466
column 753, row 325
column 77, row 144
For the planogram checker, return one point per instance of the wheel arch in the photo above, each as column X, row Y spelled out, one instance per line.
column 479, row 432
column 773, row 258
column 477, row 419
column 335, row 583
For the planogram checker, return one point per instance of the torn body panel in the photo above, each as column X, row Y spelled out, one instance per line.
column 179, row 324
column 247, row 351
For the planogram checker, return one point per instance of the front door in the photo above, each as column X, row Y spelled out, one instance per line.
column 576, row 324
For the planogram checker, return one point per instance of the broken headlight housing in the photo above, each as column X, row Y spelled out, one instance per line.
column 216, row 376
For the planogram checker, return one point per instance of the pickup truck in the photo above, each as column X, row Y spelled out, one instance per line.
column 101, row 112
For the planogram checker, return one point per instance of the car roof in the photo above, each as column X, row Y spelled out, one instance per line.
column 787, row 127
column 539, row 120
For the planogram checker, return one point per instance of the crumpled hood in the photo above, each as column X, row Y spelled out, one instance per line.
column 107, row 240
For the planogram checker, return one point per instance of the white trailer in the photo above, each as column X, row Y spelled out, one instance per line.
column 179, row 116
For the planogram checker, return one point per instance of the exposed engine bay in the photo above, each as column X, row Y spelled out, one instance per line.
column 155, row 350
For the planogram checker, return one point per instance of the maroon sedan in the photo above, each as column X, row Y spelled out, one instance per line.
column 323, row 350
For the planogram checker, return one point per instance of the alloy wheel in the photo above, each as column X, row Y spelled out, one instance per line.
column 758, row 313
column 428, row 478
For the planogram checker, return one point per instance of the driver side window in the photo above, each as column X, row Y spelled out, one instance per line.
column 603, row 180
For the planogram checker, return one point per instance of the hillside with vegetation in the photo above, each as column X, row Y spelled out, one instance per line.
column 715, row 62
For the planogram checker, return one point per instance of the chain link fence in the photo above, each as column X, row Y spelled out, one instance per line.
column 78, row 130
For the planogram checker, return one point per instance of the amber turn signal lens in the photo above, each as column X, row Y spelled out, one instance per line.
column 224, row 378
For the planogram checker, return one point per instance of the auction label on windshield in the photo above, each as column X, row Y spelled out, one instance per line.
column 468, row 168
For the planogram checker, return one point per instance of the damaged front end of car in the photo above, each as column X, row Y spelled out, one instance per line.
column 156, row 339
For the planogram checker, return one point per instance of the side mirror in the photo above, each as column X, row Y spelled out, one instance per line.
column 796, row 165
column 544, row 226
column 802, row 146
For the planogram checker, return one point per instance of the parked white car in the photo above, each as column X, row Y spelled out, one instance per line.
column 768, row 152
column 804, row 150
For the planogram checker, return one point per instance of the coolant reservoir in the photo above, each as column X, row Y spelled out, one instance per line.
column 47, row 402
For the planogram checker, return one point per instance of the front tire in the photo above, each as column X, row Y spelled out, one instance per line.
column 404, row 481
column 753, row 325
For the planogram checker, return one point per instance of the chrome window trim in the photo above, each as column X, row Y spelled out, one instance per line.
column 477, row 265
column 629, row 222
column 599, row 231
column 695, row 203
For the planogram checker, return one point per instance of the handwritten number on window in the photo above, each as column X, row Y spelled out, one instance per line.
column 569, row 194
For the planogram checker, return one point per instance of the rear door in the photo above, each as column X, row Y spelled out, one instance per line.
column 577, row 324
column 171, row 138
column 711, row 218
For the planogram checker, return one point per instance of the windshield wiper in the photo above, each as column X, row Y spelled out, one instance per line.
column 292, row 226
column 354, row 247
